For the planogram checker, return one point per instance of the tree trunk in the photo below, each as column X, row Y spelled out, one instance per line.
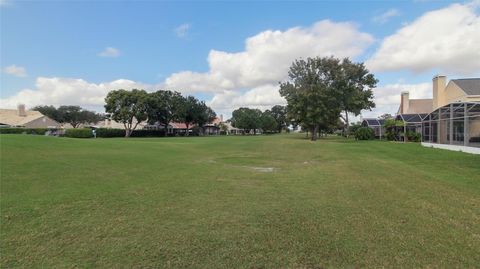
column 346, row 122
column 315, row 133
column 254, row 131
column 128, row 132
column 186, row 134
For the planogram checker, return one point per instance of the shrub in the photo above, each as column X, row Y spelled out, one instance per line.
column 391, row 128
column 34, row 131
column 108, row 132
column 147, row 133
column 79, row 133
column 364, row 133
column 196, row 131
column 414, row 136
column 354, row 127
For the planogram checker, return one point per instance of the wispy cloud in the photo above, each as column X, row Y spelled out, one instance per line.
column 4, row 3
column 386, row 16
column 14, row 70
column 182, row 30
column 109, row 52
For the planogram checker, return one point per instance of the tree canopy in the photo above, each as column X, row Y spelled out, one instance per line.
column 268, row 123
column 247, row 118
column 127, row 107
column 320, row 89
column 164, row 107
column 74, row 115
column 279, row 113
column 195, row 112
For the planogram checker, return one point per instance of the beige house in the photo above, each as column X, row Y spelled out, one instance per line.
column 451, row 119
column 414, row 106
column 457, row 90
column 21, row 117
column 454, row 120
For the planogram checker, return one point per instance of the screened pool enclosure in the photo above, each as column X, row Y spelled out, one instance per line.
column 453, row 124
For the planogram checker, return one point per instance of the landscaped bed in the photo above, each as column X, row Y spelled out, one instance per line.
column 236, row 201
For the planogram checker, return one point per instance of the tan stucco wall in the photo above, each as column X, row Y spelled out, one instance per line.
column 42, row 122
column 452, row 93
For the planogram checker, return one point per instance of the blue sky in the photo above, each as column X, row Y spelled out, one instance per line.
column 51, row 49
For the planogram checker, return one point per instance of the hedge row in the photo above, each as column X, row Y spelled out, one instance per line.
column 107, row 132
column 79, row 133
column 38, row 131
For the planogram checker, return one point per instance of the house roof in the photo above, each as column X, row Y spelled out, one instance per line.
column 412, row 118
column 470, row 86
column 374, row 122
column 180, row 125
column 11, row 117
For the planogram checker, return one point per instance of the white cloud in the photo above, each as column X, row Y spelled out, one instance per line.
column 445, row 39
column 268, row 55
column 182, row 30
column 14, row 70
column 68, row 91
column 109, row 52
column 385, row 17
column 250, row 77
column 4, row 3
column 261, row 97
column 387, row 97
column 245, row 78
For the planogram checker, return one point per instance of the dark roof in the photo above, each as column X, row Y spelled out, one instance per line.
column 374, row 122
column 412, row 118
column 470, row 86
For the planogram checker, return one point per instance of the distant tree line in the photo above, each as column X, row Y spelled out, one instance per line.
column 160, row 107
column 320, row 91
column 73, row 115
column 270, row 121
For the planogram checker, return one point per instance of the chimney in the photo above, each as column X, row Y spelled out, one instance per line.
column 439, row 83
column 404, row 102
column 21, row 110
column 221, row 118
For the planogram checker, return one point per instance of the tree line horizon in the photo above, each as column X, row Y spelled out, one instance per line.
column 320, row 93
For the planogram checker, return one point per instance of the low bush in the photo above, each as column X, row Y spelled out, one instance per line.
column 79, row 133
column 364, row 133
column 108, row 132
column 353, row 128
column 147, row 133
column 34, row 131
column 414, row 137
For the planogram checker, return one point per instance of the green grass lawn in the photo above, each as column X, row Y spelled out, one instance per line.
column 236, row 202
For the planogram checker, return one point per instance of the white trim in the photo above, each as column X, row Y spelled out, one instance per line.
column 471, row 150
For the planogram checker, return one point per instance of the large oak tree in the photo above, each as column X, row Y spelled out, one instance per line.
column 127, row 107
column 319, row 89
column 164, row 107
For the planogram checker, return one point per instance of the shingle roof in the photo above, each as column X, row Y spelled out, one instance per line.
column 11, row 117
column 373, row 122
column 412, row 118
column 470, row 86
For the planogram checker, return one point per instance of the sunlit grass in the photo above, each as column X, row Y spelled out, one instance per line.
column 223, row 202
